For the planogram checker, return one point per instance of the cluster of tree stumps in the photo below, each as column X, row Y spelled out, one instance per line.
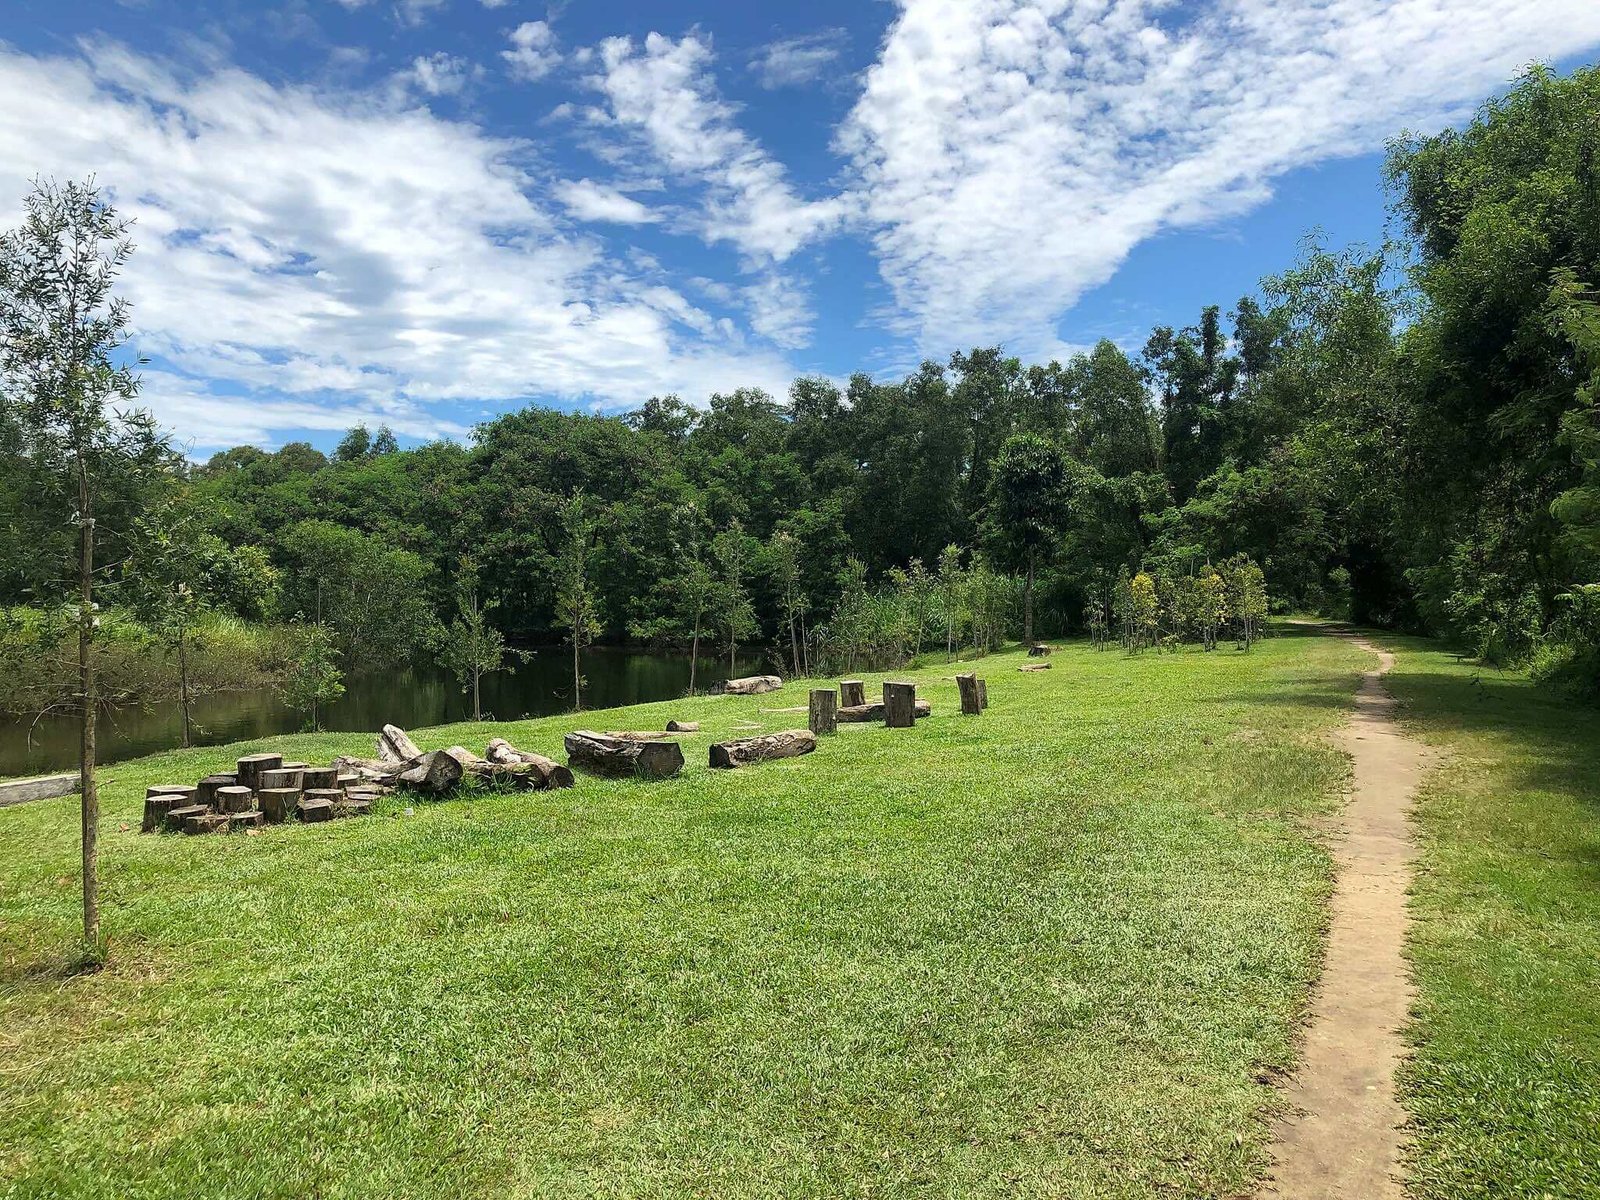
column 262, row 790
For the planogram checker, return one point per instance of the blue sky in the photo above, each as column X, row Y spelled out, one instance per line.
column 425, row 212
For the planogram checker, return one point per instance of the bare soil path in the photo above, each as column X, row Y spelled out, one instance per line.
column 1343, row 1135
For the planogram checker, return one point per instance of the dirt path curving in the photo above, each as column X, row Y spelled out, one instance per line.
column 1342, row 1137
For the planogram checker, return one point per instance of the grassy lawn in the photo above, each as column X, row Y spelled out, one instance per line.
column 1505, row 1086
column 1059, row 949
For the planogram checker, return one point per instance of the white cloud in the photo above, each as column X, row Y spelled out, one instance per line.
column 533, row 53
column 415, row 12
column 664, row 93
column 1010, row 154
column 798, row 60
column 309, row 252
column 780, row 311
column 494, row 3
column 437, row 75
column 591, row 201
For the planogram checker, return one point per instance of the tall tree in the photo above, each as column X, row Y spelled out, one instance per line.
column 576, row 610
column 1028, row 508
column 64, row 370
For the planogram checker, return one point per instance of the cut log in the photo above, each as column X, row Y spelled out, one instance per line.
column 602, row 755
column 968, row 685
column 207, row 822
column 436, row 772
column 349, row 807
column 788, row 743
column 172, row 789
column 283, row 777
column 752, row 685
column 236, row 799
column 1039, row 650
column 319, row 777
column 251, row 766
column 395, row 745
column 157, row 804
column 369, row 770
column 316, row 809
column 683, row 726
column 515, row 774
column 638, row 735
column 177, row 816
column 552, row 773
column 278, row 803
column 824, row 711
column 983, row 693
column 852, row 693
column 294, row 766
column 206, row 792
column 345, row 779
column 873, row 711
column 253, row 819
column 1035, row 667
column 899, row 705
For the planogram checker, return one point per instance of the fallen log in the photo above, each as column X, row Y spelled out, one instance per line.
column 373, row 770
column 395, row 745
column 752, row 685
column 615, row 757
column 639, row 735
column 552, row 773
column 683, row 726
column 525, row 776
column 1034, row 667
column 436, row 772
column 873, row 711
column 741, row 752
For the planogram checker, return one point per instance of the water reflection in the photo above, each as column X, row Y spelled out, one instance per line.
column 411, row 697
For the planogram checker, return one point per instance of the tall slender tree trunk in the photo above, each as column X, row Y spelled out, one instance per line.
column 694, row 653
column 794, row 644
column 183, row 679
column 577, row 676
column 477, row 701
column 1027, row 603
column 88, row 714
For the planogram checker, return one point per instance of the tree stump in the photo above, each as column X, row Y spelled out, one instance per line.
column 251, row 766
column 899, row 705
column 207, row 822
column 683, row 726
column 971, row 705
column 852, row 693
column 316, row 808
column 752, row 685
column 1039, row 650
column 206, row 792
column 551, row 773
column 161, row 800
column 862, row 713
column 178, row 816
column 789, row 743
column 249, row 820
column 617, row 757
column 278, row 804
column 237, row 799
column 824, row 711
column 283, row 777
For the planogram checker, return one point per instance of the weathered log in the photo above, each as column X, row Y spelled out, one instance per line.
column 741, row 752
column 435, row 772
column 283, row 777
column 968, row 686
column 159, row 801
column 349, row 807
column 602, row 755
column 824, row 711
column 873, row 711
column 395, row 745
column 852, row 693
column 278, row 803
column 899, row 705
column 253, row 819
column 345, row 779
column 752, row 685
column 983, row 693
column 517, row 774
column 1035, row 667
column 206, row 792
column 235, row 799
column 371, row 770
column 316, row 808
column 251, row 766
column 207, row 822
column 1039, row 650
column 177, row 816
column 553, row 774
column 683, row 726
column 639, row 735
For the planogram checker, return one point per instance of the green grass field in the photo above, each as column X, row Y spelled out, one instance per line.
column 1059, row 949
column 1505, row 1085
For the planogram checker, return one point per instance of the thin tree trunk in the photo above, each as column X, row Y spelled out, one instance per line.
column 86, row 687
column 183, row 680
column 477, row 701
column 1027, row 604
column 694, row 653
column 577, row 677
column 794, row 645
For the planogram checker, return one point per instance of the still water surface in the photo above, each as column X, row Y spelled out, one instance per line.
column 413, row 697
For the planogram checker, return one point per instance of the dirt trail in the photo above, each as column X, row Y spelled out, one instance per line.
column 1342, row 1137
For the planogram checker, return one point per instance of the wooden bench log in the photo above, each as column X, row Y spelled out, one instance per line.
column 852, row 693
column 618, row 757
column 283, row 777
column 252, row 765
column 741, row 752
column 873, row 711
column 177, row 816
column 968, row 686
column 899, row 705
column 278, row 804
column 551, row 773
column 319, row 777
column 237, row 799
column 206, row 791
column 752, row 685
column 823, row 716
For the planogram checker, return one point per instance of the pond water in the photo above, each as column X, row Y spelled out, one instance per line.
column 412, row 697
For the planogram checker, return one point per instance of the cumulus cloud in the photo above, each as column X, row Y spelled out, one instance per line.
column 533, row 53
column 436, row 75
column 1009, row 154
column 663, row 92
column 590, row 201
column 794, row 61
column 305, row 251
column 780, row 310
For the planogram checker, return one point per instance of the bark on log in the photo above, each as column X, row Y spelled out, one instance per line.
column 372, row 770
column 683, row 726
column 968, row 685
column 235, row 799
column 249, row 820
column 983, row 693
column 638, row 735
column 395, row 745
column 283, row 777
column 206, row 792
column 824, row 716
column 1035, row 667
column 618, row 757
column 319, row 777
column 788, row 743
column 157, row 806
column 752, row 685
column 552, row 773
column 1039, row 650
column 899, row 705
column 251, row 766
column 316, row 808
column 177, row 816
column 859, row 713
column 852, row 693
column 207, row 822
column 436, row 772
column 278, row 803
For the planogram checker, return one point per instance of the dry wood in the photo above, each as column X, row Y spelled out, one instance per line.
column 395, row 745
column 1034, row 667
column 157, row 807
column 619, row 757
column 283, row 777
column 983, row 693
column 251, row 766
column 852, row 693
column 206, row 792
column 968, row 685
column 552, row 773
column 235, row 799
column 741, row 752
column 278, row 803
column 873, row 711
column 177, row 816
column 753, row 685
column 824, row 711
column 683, row 726
column 319, row 777
column 639, row 735
column 316, row 808
column 436, row 772
column 899, row 705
